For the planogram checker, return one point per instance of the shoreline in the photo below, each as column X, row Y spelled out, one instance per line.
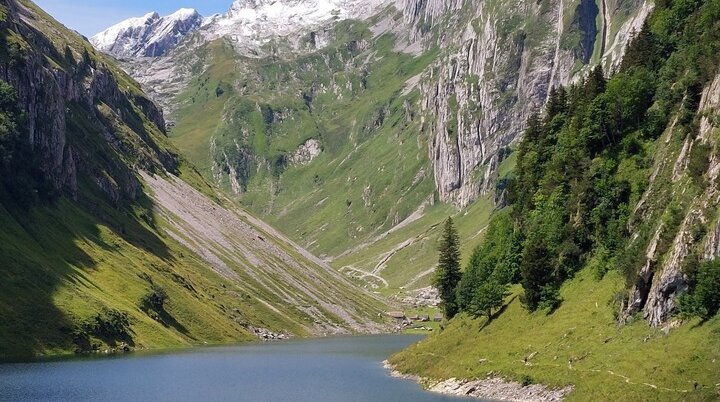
column 492, row 387
column 70, row 354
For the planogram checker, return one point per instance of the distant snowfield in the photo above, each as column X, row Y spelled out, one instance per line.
column 149, row 35
column 247, row 21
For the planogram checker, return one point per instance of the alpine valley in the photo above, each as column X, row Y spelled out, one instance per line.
column 287, row 169
column 110, row 237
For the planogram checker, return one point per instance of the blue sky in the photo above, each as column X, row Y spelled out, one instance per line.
column 92, row 16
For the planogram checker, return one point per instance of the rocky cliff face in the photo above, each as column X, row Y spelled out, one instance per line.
column 498, row 67
column 60, row 84
column 496, row 64
column 664, row 277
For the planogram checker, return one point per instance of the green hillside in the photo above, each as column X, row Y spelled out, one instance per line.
column 580, row 344
column 373, row 169
column 112, row 246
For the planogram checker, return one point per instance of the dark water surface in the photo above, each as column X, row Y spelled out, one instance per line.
column 321, row 370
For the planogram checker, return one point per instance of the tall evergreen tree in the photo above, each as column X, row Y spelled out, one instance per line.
column 596, row 82
column 643, row 50
column 448, row 275
column 557, row 103
column 472, row 279
column 537, row 274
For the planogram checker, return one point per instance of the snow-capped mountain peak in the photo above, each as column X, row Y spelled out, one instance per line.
column 250, row 22
column 183, row 13
column 149, row 35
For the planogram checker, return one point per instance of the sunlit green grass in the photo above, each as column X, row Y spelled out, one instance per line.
column 580, row 344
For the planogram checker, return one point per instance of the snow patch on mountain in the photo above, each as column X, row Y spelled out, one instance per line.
column 149, row 35
column 247, row 22
column 259, row 20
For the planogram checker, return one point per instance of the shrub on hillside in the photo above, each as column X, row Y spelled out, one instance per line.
column 704, row 300
column 153, row 303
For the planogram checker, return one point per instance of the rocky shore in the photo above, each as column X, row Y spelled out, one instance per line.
column 267, row 335
column 489, row 388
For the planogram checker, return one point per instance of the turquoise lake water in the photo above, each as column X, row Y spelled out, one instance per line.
column 319, row 370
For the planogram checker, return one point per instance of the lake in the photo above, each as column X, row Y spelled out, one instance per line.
column 318, row 370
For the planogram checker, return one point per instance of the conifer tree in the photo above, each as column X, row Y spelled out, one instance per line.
column 448, row 275
column 596, row 82
column 642, row 50
column 536, row 271
column 557, row 103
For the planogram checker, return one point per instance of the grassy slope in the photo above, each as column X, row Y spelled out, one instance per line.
column 410, row 253
column 202, row 109
column 62, row 264
column 367, row 180
column 582, row 329
column 85, row 265
column 370, row 177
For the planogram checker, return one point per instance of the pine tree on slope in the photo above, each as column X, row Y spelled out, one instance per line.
column 447, row 274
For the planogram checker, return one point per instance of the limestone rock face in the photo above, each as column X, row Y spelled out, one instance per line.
column 56, row 95
column 658, row 285
column 493, row 75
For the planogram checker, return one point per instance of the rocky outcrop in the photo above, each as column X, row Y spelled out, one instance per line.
column 266, row 335
column 64, row 90
column 499, row 389
column 306, row 152
column 641, row 289
column 659, row 285
column 490, row 388
column 671, row 281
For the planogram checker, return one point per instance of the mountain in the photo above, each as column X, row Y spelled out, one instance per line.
column 381, row 117
column 251, row 21
column 147, row 36
column 262, row 20
column 110, row 239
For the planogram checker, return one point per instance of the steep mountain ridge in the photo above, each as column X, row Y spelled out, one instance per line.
column 147, row 36
column 248, row 23
column 107, row 245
